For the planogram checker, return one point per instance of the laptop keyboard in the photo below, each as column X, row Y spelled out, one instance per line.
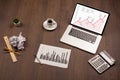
column 83, row 35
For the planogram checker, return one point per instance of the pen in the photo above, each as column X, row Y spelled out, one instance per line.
column 37, row 58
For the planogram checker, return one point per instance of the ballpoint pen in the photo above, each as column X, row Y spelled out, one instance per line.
column 9, row 50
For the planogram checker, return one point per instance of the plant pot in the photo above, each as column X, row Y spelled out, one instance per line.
column 16, row 22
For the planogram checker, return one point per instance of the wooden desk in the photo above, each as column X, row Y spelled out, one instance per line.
column 32, row 14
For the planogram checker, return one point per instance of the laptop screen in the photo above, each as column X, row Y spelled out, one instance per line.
column 89, row 18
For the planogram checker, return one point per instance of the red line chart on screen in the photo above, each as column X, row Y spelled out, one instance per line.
column 89, row 18
column 91, row 23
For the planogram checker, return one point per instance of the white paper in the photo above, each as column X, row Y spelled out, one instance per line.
column 54, row 56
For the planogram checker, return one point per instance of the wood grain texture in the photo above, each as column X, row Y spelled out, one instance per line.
column 32, row 14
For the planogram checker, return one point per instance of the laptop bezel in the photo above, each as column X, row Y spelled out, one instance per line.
column 87, row 29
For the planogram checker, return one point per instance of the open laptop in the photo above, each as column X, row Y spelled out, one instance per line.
column 86, row 28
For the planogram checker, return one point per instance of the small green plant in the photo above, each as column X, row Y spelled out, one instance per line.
column 16, row 20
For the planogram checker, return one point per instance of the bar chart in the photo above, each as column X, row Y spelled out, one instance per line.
column 54, row 56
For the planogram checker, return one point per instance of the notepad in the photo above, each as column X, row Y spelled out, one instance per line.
column 52, row 55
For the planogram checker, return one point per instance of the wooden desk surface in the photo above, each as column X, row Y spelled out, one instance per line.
column 32, row 14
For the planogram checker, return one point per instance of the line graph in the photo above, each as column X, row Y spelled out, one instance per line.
column 89, row 22
column 89, row 18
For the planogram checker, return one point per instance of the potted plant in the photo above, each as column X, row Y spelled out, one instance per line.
column 16, row 22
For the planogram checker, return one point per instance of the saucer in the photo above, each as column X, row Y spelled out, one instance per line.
column 49, row 27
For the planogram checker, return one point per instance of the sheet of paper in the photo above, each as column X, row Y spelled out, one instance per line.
column 54, row 56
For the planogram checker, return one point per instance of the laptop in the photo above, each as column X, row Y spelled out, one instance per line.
column 86, row 28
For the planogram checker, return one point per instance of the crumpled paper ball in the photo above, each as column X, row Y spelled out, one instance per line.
column 17, row 41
